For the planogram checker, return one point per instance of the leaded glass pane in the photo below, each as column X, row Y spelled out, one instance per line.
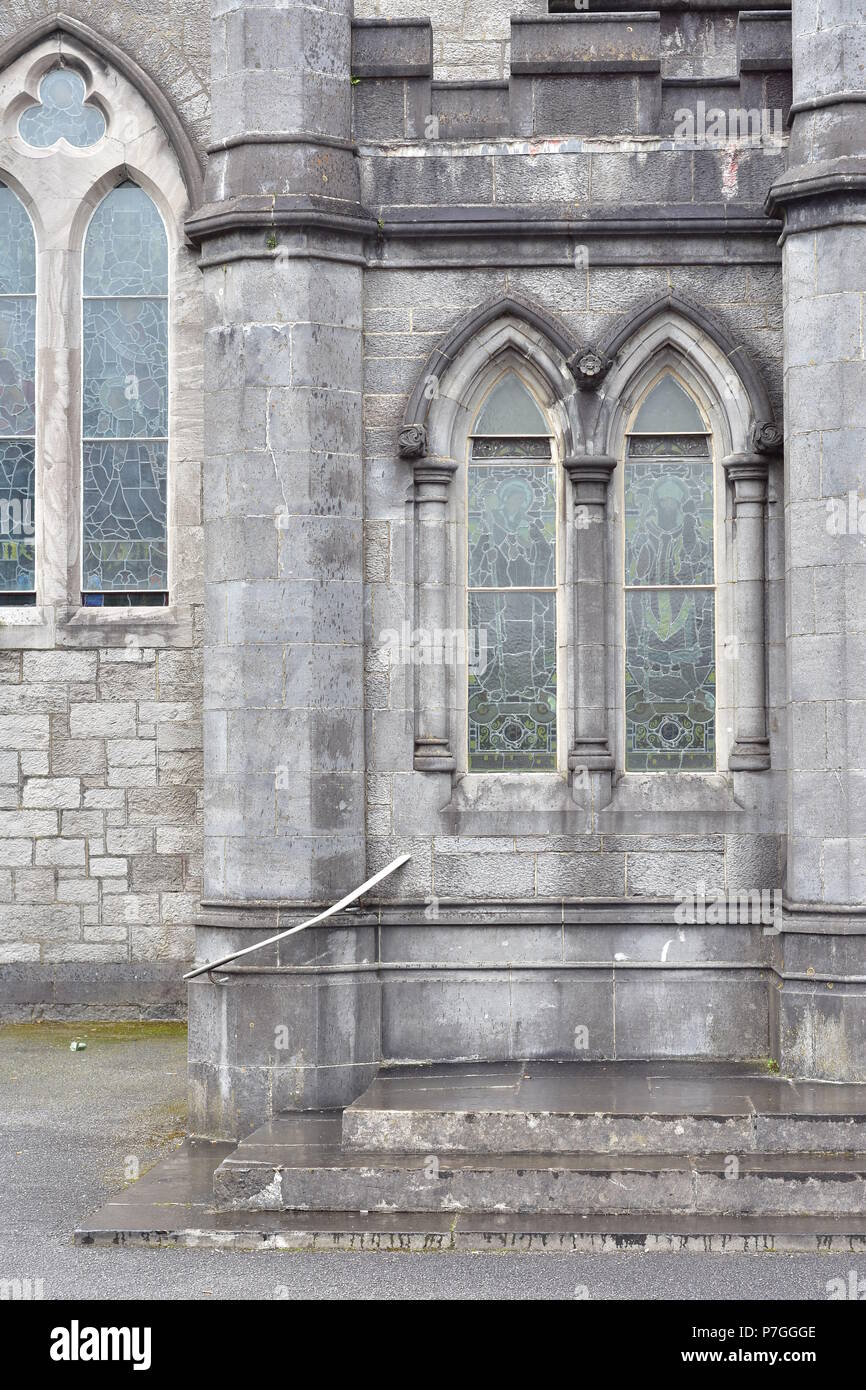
column 510, row 409
column 670, row 680
column 669, row 523
column 61, row 113
column 17, row 551
column 512, row 700
column 17, row 246
column 125, row 340
column 525, row 448
column 512, row 526
column 668, row 409
column 127, row 248
column 125, row 368
column 668, row 446
column 17, row 365
column 125, row 516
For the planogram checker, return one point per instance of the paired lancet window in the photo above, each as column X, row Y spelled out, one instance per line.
column 668, row 584
column 123, row 428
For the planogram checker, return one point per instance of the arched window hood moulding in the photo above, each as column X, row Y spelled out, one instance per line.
column 589, row 402
column 153, row 94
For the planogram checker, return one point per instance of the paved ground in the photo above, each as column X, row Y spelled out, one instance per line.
column 72, row 1124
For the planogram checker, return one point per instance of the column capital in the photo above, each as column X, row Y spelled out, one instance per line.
column 748, row 473
column 590, row 475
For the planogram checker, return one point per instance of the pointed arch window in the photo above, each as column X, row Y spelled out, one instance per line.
column 125, row 403
column 511, row 583
column 670, row 586
column 17, row 402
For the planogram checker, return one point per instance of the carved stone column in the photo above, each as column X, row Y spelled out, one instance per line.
column 433, row 752
column 591, row 747
column 747, row 474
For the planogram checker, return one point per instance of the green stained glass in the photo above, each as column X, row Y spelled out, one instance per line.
column 17, row 551
column 525, row 448
column 670, row 680
column 127, row 249
column 669, row 523
column 125, row 368
column 61, row 113
column 17, row 246
column 512, row 692
column 668, row 409
column 510, row 409
column 512, row 526
column 668, row 446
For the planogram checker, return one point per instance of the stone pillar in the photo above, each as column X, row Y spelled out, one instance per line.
column 747, row 474
column 822, row 195
column 433, row 478
column 282, row 238
column 591, row 750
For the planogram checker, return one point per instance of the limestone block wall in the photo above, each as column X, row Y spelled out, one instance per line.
column 100, row 709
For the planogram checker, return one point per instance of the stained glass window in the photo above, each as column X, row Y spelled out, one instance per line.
column 511, row 526
column 61, row 113
column 670, row 594
column 17, row 401
column 125, row 401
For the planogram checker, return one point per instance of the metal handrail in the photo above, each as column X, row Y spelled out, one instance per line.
column 310, row 922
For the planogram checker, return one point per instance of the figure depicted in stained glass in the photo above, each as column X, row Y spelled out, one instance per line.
column 670, row 596
column 512, row 584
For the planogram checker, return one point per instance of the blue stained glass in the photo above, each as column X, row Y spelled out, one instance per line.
column 125, row 397
column 126, row 251
column 125, row 516
column 669, row 523
column 125, row 368
column 512, row 526
column 61, row 113
column 17, row 550
column 512, row 691
column 17, row 366
column 670, row 680
column 17, row 246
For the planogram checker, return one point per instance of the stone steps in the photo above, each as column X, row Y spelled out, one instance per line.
column 293, row 1164
column 602, row 1108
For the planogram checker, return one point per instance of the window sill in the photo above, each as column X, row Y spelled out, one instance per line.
column 45, row 627
column 169, row 626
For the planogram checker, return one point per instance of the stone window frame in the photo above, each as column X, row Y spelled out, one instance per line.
column 668, row 362
column 482, row 384
column 61, row 188
column 454, row 389
column 594, row 394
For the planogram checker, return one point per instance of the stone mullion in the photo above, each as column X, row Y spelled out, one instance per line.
column 590, row 477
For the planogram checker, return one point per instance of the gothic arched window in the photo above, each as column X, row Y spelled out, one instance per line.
column 17, row 401
column 511, row 584
column 670, row 586
column 125, row 402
